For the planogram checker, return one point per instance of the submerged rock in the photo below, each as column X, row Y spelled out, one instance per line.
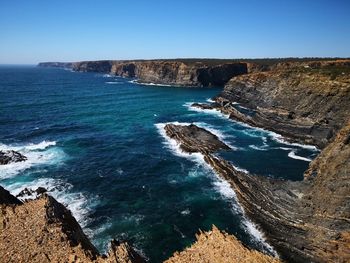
column 11, row 156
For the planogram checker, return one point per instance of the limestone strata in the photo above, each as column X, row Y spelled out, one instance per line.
column 308, row 102
column 167, row 72
column 306, row 221
column 216, row 246
column 43, row 230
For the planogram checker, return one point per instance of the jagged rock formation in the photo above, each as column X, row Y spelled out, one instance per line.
column 308, row 102
column 216, row 246
column 305, row 221
column 43, row 230
column 11, row 156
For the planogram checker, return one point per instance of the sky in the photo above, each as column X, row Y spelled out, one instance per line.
column 33, row 31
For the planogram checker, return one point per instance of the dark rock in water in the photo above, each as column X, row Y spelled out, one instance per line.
column 195, row 139
column 7, row 157
column 40, row 190
column 27, row 192
column 307, row 221
column 203, row 106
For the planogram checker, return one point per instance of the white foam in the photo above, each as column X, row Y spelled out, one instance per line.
column 174, row 146
column 136, row 81
column 275, row 136
column 210, row 100
column 292, row 154
column 185, row 212
column 222, row 186
column 258, row 148
column 285, row 148
column 77, row 203
column 226, row 191
column 216, row 112
column 29, row 147
column 37, row 154
column 279, row 138
column 114, row 82
column 107, row 76
column 258, row 235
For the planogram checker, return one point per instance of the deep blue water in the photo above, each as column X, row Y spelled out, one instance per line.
column 96, row 143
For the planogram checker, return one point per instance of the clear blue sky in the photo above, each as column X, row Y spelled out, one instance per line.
column 73, row 30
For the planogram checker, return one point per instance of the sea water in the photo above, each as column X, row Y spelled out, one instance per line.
column 97, row 143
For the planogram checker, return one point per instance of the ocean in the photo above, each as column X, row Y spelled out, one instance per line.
column 96, row 142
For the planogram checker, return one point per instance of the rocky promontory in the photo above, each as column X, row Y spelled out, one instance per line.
column 306, row 102
column 43, row 230
column 306, row 221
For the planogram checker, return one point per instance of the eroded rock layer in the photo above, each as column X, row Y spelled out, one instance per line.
column 305, row 221
column 167, row 72
column 309, row 102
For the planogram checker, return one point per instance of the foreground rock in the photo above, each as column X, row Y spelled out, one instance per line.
column 305, row 221
column 307, row 102
column 43, row 230
column 11, row 156
column 216, row 246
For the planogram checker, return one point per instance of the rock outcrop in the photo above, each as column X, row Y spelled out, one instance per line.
column 306, row 221
column 308, row 102
column 11, row 156
column 167, row 72
column 43, row 230
column 217, row 246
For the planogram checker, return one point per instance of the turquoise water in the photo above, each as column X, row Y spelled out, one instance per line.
column 96, row 143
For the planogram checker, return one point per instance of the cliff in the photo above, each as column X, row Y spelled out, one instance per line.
column 167, row 72
column 43, row 230
column 307, row 102
column 306, row 221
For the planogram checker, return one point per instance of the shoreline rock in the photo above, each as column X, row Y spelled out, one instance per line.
column 43, row 230
column 7, row 157
column 294, row 216
column 308, row 102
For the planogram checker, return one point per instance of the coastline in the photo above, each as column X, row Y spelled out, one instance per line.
column 290, row 198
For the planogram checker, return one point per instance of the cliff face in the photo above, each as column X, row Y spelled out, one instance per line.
column 43, row 230
column 167, row 72
column 305, row 101
column 306, row 221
